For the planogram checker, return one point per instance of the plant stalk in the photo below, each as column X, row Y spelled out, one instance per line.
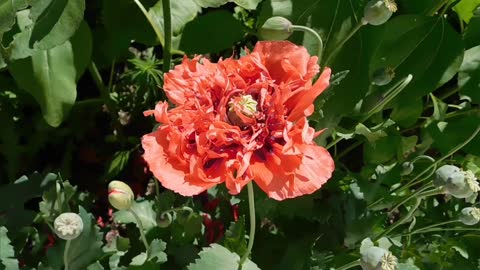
column 314, row 33
column 167, row 27
column 349, row 265
column 140, row 227
column 337, row 48
column 65, row 254
column 251, row 207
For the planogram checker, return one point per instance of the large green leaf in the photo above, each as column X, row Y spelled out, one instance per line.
column 469, row 75
column 221, row 28
column 409, row 38
column 218, row 257
column 54, row 21
column 50, row 75
column 465, row 9
column 144, row 211
column 18, row 193
column 471, row 36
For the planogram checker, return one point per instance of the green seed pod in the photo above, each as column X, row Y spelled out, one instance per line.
column 120, row 195
column 377, row 12
column 443, row 173
column 276, row 28
column 383, row 76
column 470, row 215
column 68, row 226
column 457, row 186
column 376, row 258
column 164, row 220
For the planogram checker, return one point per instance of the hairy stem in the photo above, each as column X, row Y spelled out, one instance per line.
column 251, row 207
column 65, row 254
column 140, row 227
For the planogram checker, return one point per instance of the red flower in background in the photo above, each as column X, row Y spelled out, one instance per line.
column 241, row 120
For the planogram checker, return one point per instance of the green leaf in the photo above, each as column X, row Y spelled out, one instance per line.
column 95, row 266
column 221, row 28
column 406, row 113
column 7, row 16
column 54, row 22
column 407, row 266
column 247, row 4
column 117, row 164
column 471, row 36
column 235, row 239
column 7, row 254
column 465, row 9
column 408, row 38
column 143, row 209
column 218, row 257
column 156, row 251
column 50, row 75
column 469, row 75
column 18, row 193
column 86, row 248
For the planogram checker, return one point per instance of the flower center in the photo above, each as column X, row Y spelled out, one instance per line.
column 391, row 5
column 242, row 110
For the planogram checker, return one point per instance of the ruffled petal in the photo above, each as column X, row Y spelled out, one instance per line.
column 171, row 173
column 315, row 168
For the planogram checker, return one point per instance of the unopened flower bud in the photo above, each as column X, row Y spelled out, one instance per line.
column 68, row 226
column 120, row 195
column 443, row 173
column 276, row 28
column 164, row 220
column 457, row 186
column 383, row 76
column 377, row 12
column 470, row 215
column 407, row 168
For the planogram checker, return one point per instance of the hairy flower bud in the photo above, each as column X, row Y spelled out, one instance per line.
column 164, row 220
column 276, row 28
column 470, row 216
column 377, row 12
column 443, row 173
column 383, row 76
column 68, row 226
column 120, row 195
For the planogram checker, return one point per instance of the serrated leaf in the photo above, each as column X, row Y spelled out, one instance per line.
column 6, row 250
column 156, row 251
column 54, row 22
column 143, row 209
column 234, row 238
column 218, row 257
column 50, row 76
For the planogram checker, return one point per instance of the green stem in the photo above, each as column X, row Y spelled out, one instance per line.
column 451, row 152
column 315, row 34
column 167, row 26
column 401, row 221
column 437, row 7
column 140, row 227
column 333, row 143
column 65, row 254
column 337, row 48
column 348, row 149
column 435, row 225
column 155, row 27
column 104, row 93
column 349, row 265
column 183, row 208
column 251, row 207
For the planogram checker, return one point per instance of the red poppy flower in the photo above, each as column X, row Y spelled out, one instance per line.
column 241, row 120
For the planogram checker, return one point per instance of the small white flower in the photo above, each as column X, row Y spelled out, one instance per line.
column 68, row 226
column 389, row 262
